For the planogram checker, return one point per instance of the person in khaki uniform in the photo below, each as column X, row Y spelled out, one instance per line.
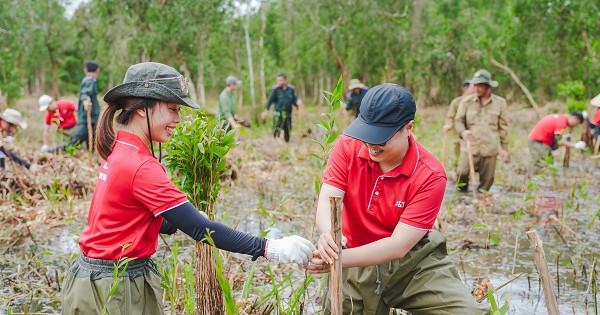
column 481, row 119
column 468, row 89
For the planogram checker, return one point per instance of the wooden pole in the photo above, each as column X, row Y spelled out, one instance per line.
column 567, row 157
column 335, row 279
column 472, row 169
column 542, row 267
column 444, row 149
column 89, row 128
column 596, row 149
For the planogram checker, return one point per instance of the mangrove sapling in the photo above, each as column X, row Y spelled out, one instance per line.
column 196, row 156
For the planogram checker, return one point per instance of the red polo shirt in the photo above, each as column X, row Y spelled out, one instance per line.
column 131, row 191
column 63, row 116
column 376, row 202
column 596, row 119
column 546, row 129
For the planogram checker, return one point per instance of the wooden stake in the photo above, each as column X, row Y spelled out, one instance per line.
column 542, row 266
column 567, row 157
column 444, row 149
column 89, row 128
column 335, row 279
column 596, row 149
column 472, row 169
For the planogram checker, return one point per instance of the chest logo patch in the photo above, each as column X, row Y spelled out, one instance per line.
column 399, row 204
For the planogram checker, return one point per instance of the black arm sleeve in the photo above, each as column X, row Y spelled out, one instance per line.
column 187, row 219
column 15, row 158
column 167, row 228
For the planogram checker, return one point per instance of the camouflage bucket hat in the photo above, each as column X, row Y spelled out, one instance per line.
column 483, row 76
column 153, row 80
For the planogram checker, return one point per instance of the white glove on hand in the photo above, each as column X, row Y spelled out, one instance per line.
column 44, row 148
column 580, row 145
column 291, row 249
column 9, row 141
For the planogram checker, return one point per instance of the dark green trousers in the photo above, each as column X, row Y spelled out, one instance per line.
column 424, row 282
column 87, row 285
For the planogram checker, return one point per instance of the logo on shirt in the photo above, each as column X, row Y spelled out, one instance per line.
column 102, row 176
column 399, row 204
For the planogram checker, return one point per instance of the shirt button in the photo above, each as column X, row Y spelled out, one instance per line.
column 376, row 193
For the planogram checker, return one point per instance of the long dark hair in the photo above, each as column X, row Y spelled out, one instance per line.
column 105, row 132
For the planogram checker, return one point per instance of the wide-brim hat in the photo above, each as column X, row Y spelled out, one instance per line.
column 595, row 101
column 153, row 80
column 355, row 84
column 44, row 101
column 483, row 76
column 384, row 110
column 14, row 117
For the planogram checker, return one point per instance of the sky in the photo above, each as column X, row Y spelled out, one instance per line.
column 70, row 6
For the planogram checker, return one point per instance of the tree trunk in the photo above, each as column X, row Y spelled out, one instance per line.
column 187, row 74
column 261, row 44
column 246, row 25
column 338, row 61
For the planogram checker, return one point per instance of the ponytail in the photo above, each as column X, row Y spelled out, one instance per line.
column 105, row 132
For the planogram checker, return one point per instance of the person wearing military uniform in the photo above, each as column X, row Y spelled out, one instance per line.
column 468, row 89
column 481, row 120
column 227, row 103
column 357, row 92
column 283, row 95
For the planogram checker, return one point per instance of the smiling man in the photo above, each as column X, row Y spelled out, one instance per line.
column 392, row 189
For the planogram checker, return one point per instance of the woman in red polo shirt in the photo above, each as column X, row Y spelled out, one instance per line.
column 134, row 201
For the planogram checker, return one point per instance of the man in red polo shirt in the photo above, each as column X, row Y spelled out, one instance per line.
column 60, row 113
column 547, row 136
column 392, row 189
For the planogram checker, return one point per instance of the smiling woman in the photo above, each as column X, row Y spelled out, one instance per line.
column 134, row 200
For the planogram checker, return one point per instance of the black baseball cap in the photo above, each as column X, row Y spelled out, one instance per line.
column 384, row 110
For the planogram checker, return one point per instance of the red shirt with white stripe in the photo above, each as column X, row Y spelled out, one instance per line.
column 132, row 190
column 376, row 202
column 546, row 129
column 63, row 116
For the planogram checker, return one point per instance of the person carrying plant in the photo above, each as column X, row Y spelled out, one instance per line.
column 480, row 120
column 546, row 136
column 134, row 200
column 283, row 96
column 59, row 112
column 355, row 96
column 468, row 89
column 392, row 190
column 10, row 119
column 227, row 103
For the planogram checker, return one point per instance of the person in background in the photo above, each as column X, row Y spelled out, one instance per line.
column 481, row 119
column 546, row 136
column 134, row 200
column 283, row 95
column 594, row 122
column 227, row 103
column 61, row 113
column 10, row 119
column 467, row 89
column 392, row 190
column 355, row 96
column 88, row 101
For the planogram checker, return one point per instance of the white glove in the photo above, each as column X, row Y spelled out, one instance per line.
column 291, row 249
column 44, row 148
column 580, row 145
column 9, row 142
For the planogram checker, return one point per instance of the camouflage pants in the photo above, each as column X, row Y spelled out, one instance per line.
column 86, row 287
column 423, row 282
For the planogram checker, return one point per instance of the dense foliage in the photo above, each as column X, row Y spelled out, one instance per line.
column 428, row 46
